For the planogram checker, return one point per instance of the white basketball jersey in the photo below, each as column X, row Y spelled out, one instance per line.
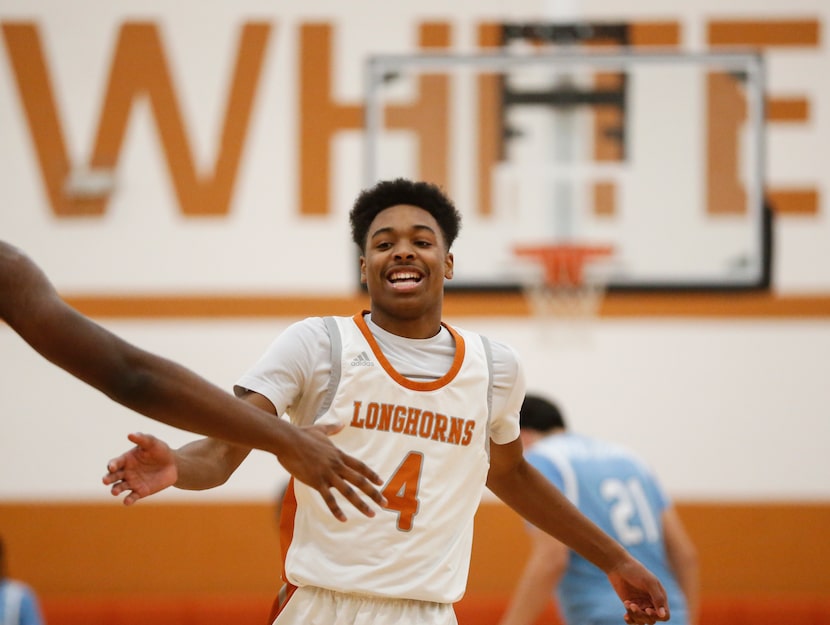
column 429, row 442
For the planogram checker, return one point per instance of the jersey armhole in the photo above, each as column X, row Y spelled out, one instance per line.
column 334, row 378
column 488, row 352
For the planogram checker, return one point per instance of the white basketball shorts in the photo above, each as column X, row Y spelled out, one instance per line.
column 317, row 606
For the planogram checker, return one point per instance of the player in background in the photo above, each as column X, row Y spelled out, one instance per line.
column 617, row 491
column 435, row 409
column 167, row 392
column 19, row 604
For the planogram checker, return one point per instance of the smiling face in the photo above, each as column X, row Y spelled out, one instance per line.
column 404, row 265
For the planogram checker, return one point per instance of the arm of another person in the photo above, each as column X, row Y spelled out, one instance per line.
column 683, row 559
column 542, row 573
column 151, row 466
column 165, row 391
column 525, row 490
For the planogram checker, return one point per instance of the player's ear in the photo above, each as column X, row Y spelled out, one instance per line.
column 449, row 265
column 362, row 270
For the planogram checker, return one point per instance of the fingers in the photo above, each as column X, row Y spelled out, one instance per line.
column 114, row 467
column 116, row 470
column 342, row 477
column 349, row 493
column 141, row 440
column 362, row 469
column 331, row 502
column 116, row 475
column 356, row 500
column 119, row 486
column 366, row 488
column 339, row 471
column 117, row 478
column 634, row 614
column 113, row 477
column 131, row 498
column 362, row 477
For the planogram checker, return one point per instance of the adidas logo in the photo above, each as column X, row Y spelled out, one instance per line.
column 362, row 360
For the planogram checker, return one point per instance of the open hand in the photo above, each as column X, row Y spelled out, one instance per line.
column 147, row 468
column 642, row 594
column 318, row 463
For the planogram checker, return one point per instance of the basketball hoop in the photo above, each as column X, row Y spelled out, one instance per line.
column 567, row 284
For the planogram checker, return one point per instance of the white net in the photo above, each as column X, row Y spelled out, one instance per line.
column 564, row 285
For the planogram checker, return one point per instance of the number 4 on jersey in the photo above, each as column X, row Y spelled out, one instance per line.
column 401, row 491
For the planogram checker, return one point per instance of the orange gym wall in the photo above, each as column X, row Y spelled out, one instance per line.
column 92, row 561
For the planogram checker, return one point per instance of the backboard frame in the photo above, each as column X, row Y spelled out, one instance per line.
column 379, row 68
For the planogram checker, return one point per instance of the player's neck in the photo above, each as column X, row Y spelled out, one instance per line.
column 420, row 327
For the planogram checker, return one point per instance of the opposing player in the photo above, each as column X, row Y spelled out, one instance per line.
column 617, row 490
column 166, row 391
column 19, row 604
column 434, row 408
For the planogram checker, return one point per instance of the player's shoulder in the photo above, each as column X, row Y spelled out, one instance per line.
column 611, row 450
column 507, row 366
column 310, row 326
column 310, row 334
column 317, row 330
column 506, row 360
column 17, row 586
column 501, row 351
column 321, row 324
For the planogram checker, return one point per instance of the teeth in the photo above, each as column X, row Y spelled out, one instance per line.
column 404, row 276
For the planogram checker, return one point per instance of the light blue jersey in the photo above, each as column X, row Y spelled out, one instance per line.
column 618, row 492
column 18, row 604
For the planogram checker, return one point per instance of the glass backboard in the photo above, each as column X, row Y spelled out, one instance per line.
column 658, row 155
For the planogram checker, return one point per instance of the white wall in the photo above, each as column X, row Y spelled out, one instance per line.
column 731, row 410
column 723, row 408
column 143, row 244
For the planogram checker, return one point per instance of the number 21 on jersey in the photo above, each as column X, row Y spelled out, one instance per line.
column 632, row 517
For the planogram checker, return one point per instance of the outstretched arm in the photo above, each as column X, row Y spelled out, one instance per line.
column 542, row 573
column 683, row 561
column 525, row 490
column 152, row 466
column 163, row 390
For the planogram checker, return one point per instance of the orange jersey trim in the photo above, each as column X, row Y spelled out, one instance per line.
column 460, row 350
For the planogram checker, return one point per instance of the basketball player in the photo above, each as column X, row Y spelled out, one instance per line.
column 166, row 391
column 19, row 604
column 615, row 489
column 434, row 408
